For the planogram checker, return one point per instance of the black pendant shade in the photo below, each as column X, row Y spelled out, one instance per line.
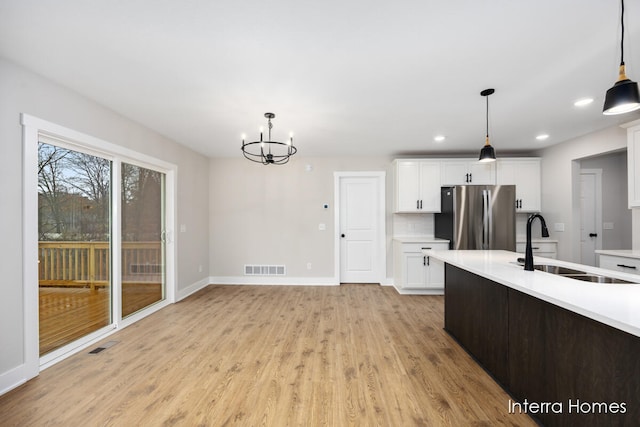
column 624, row 96
column 487, row 154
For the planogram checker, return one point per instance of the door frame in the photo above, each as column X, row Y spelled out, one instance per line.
column 32, row 128
column 381, row 228
column 598, row 209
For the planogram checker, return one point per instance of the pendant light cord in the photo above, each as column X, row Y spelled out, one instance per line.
column 487, row 116
column 622, row 37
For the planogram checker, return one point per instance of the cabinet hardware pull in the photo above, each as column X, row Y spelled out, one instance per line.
column 428, row 261
column 420, row 204
column 417, row 204
column 535, row 249
column 470, row 177
column 424, row 260
column 627, row 266
column 426, row 248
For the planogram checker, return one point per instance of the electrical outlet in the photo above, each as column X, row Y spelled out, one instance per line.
column 308, row 266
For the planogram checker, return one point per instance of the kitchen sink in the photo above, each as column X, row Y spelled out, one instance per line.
column 577, row 274
column 556, row 269
column 594, row 278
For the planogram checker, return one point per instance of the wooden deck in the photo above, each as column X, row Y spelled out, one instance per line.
column 272, row 356
column 68, row 313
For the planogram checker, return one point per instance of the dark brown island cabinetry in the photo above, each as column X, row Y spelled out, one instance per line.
column 562, row 368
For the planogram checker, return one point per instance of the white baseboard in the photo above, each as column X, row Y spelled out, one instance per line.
column 192, row 289
column 271, row 280
column 11, row 379
column 419, row 291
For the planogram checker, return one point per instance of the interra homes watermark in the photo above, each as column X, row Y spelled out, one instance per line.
column 570, row 406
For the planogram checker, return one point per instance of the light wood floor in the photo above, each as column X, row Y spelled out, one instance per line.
column 272, row 356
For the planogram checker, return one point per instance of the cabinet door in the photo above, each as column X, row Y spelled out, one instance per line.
column 525, row 175
column 430, row 187
column 633, row 165
column 482, row 173
column 407, row 186
column 467, row 172
column 435, row 273
column 414, row 264
column 454, row 172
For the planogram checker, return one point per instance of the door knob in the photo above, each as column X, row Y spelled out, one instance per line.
column 593, row 234
column 342, row 235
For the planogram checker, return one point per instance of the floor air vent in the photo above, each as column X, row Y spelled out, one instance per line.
column 103, row 347
column 264, row 270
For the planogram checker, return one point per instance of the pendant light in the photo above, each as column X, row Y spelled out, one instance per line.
column 623, row 97
column 487, row 154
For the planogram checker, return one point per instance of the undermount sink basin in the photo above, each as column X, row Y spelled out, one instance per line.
column 594, row 278
column 556, row 269
column 577, row 274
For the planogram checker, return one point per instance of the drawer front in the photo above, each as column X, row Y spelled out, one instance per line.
column 419, row 247
column 625, row 265
column 538, row 247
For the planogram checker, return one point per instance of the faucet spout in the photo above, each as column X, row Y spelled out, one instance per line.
column 528, row 256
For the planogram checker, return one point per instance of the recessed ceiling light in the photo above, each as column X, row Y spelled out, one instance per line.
column 439, row 138
column 583, row 102
column 542, row 137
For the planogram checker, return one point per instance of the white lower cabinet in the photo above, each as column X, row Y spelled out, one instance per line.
column 415, row 271
column 618, row 263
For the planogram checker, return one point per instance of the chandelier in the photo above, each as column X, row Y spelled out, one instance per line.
column 269, row 152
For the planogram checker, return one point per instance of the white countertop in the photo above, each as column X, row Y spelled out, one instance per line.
column 626, row 253
column 616, row 305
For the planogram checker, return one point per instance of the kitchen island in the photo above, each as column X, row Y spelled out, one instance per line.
column 568, row 351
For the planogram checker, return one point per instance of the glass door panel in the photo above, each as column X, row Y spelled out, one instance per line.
column 74, row 245
column 143, row 252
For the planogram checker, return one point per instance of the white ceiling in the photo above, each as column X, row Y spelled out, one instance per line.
column 348, row 77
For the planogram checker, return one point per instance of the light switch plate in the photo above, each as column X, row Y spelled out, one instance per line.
column 558, row 226
column 607, row 226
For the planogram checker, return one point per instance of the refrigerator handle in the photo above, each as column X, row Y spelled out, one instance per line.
column 489, row 219
column 485, row 219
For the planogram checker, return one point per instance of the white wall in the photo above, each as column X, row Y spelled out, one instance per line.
column 614, row 198
column 26, row 92
column 270, row 215
column 560, row 169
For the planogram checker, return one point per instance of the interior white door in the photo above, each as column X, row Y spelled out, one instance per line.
column 359, row 229
column 590, row 212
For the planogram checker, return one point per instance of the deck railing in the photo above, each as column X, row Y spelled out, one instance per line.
column 87, row 264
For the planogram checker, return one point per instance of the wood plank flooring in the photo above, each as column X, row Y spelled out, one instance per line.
column 272, row 356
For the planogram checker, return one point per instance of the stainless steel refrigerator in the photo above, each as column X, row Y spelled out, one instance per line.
column 478, row 217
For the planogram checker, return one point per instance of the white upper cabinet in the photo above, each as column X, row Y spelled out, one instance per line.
column 417, row 186
column 524, row 173
column 467, row 172
column 633, row 165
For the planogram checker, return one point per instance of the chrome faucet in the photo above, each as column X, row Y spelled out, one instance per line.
column 528, row 256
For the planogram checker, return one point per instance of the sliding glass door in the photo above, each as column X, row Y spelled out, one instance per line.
column 77, row 252
column 74, row 245
column 143, row 238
